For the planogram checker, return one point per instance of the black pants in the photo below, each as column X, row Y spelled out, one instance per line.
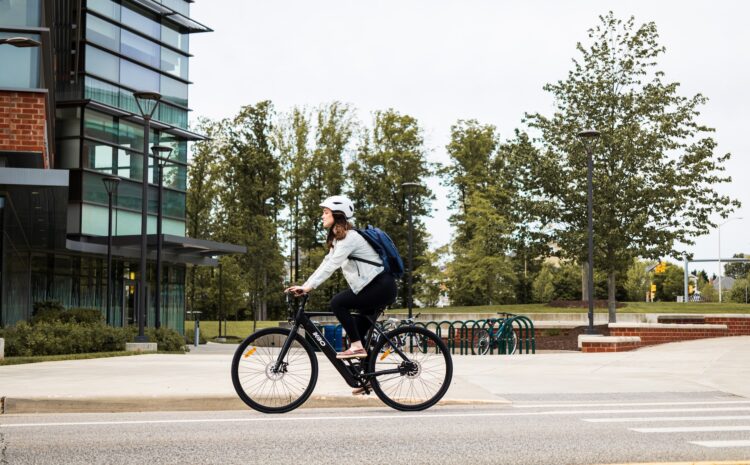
column 380, row 292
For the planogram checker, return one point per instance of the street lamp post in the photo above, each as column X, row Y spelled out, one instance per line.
column 719, row 228
column 589, row 138
column 20, row 42
column 410, row 187
column 110, row 183
column 161, row 156
column 147, row 103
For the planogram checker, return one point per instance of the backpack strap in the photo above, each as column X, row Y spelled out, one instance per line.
column 369, row 262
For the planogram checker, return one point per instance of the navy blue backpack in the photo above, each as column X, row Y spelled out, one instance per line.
column 385, row 248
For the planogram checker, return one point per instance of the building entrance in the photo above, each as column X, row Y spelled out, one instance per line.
column 129, row 299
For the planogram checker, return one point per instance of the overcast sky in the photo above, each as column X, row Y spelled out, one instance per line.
column 441, row 61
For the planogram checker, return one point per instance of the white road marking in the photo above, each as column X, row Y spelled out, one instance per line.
column 394, row 416
column 657, row 419
column 636, row 404
column 691, row 429
column 717, row 444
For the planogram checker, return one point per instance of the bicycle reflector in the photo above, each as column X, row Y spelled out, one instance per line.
column 385, row 354
column 250, row 352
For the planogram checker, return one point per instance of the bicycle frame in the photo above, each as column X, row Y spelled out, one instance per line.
column 352, row 372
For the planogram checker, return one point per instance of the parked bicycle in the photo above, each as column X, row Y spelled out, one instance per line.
column 275, row 370
column 499, row 334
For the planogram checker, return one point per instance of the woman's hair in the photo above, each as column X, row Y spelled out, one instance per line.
column 339, row 228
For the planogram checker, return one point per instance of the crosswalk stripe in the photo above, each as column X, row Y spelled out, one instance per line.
column 629, row 404
column 716, row 444
column 691, row 429
column 657, row 419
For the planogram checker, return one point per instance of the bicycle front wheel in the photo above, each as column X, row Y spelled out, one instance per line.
column 267, row 389
column 412, row 368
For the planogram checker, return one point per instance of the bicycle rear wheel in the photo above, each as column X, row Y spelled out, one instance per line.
column 480, row 342
column 422, row 370
column 264, row 389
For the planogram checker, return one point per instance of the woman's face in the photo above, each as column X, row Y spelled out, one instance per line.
column 327, row 218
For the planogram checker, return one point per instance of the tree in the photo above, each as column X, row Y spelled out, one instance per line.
column 433, row 283
column 201, row 203
column 637, row 280
column 737, row 270
column 740, row 291
column 670, row 283
column 543, row 287
column 250, row 202
column 655, row 170
column 390, row 154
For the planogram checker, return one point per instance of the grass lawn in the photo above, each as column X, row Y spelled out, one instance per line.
column 630, row 307
column 239, row 329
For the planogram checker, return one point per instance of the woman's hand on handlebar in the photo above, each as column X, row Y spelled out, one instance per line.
column 297, row 290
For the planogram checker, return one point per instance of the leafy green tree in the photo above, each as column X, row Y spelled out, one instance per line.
column 669, row 284
column 543, row 287
column 655, row 168
column 433, row 283
column 740, row 291
column 637, row 280
column 201, row 205
column 737, row 270
column 390, row 154
column 708, row 292
column 250, row 202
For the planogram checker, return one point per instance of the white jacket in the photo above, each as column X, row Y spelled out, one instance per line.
column 357, row 274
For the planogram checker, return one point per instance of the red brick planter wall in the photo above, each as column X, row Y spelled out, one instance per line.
column 609, row 347
column 737, row 326
column 656, row 333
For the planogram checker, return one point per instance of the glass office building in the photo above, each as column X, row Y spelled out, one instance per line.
column 102, row 52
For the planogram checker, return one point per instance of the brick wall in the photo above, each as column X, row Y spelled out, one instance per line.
column 22, row 123
column 658, row 333
column 737, row 326
column 589, row 347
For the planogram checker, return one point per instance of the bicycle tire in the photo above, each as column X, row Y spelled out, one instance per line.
column 269, row 392
column 480, row 342
column 414, row 390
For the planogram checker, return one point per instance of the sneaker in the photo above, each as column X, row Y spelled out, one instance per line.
column 349, row 353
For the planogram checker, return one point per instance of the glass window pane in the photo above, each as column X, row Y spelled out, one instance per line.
column 173, row 115
column 140, row 49
column 174, row 63
column 101, row 91
column 102, row 63
column 174, row 38
column 140, row 20
column 173, row 90
column 131, row 135
column 179, row 146
column 108, row 8
column 98, row 156
column 20, row 66
column 102, row 32
column 99, row 126
column 24, row 13
column 137, row 77
column 174, row 204
column 175, row 177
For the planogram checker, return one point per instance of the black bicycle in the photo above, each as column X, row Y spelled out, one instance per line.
column 275, row 370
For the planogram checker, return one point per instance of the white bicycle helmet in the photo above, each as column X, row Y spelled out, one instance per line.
column 339, row 203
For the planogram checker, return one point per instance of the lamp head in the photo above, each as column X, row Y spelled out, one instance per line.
column 111, row 183
column 20, row 42
column 147, row 102
column 161, row 153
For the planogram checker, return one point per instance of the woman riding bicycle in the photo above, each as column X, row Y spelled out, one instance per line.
column 371, row 288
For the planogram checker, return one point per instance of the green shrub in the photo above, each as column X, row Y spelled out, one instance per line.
column 57, row 338
column 167, row 339
column 82, row 316
column 51, row 311
column 48, row 310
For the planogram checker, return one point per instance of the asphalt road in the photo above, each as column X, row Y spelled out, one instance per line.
column 582, row 429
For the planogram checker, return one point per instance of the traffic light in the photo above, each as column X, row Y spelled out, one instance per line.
column 653, row 288
column 690, row 289
column 661, row 268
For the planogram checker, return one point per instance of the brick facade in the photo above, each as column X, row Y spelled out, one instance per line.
column 656, row 333
column 22, row 123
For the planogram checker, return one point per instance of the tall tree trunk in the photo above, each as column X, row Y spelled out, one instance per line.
column 611, row 302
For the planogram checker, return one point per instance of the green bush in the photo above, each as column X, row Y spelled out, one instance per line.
column 57, row 338
column 167, row 339
column 51, row 311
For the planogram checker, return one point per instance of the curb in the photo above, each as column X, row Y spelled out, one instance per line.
column 17, row 406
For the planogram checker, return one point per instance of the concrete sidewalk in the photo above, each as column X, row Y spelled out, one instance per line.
column 201, row 379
